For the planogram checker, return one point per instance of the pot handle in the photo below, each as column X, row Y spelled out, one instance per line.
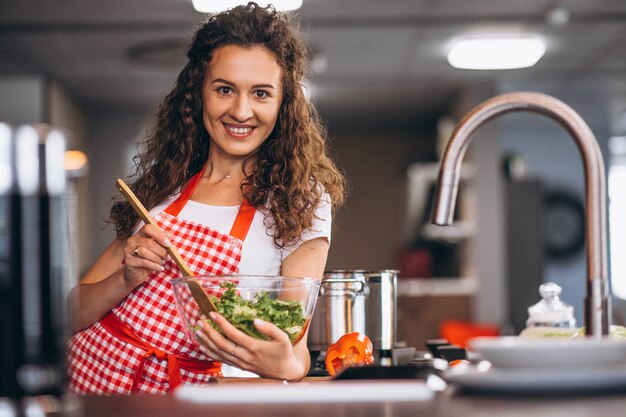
column 343, row 281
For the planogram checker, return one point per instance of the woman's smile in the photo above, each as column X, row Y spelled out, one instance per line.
column 238, row 131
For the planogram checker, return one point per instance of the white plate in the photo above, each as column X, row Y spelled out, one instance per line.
column 512, row 352
column 517, row 381
column 302, row 392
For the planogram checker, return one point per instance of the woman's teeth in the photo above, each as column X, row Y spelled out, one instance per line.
column 240, row 130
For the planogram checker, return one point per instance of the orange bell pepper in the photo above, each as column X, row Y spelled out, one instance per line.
column 352, row 349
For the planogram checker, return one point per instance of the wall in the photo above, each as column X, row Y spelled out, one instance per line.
column 22, row 99
column 367, row 231
column 61, row 110
column 114, row 136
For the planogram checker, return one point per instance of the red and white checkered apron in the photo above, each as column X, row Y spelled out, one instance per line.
column 141, row 346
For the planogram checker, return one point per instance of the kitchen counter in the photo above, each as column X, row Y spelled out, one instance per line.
column 445, row 404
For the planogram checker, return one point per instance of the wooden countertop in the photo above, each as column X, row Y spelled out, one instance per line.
column 445, row 404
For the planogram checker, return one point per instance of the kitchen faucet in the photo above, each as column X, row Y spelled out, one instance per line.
column 597, row 298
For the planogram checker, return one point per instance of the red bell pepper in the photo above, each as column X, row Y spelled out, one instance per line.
column 352, row 349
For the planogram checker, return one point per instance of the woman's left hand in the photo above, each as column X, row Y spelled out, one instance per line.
column 272, row 358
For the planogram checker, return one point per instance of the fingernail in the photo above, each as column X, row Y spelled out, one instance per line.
column 212, row 315
column 259, row 322
column 162, row 268
column 167, row 243
column 198, row 334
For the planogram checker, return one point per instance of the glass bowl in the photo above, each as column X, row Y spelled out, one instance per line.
column 284, row 301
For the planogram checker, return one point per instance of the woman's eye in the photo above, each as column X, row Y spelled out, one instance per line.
column 224, row 90
column 261, row 94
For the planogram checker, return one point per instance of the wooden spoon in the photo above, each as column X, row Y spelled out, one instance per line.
column 198, row 293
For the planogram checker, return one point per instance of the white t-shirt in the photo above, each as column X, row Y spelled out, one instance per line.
column 259, row 254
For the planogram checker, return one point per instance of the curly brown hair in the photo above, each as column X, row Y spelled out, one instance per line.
column 291, row 168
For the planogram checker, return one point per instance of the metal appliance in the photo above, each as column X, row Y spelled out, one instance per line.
column 356, row 301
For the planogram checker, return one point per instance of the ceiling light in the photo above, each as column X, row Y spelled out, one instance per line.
column 496, row 53
column 216, row 6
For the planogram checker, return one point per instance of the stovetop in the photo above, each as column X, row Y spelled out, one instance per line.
column 398, row 356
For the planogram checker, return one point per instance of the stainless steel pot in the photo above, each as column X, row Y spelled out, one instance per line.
column 355, row 301
column 340, row 309
column 381, row 309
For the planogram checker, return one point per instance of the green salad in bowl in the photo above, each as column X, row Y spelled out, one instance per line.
column 287, row 315
column 288, row 303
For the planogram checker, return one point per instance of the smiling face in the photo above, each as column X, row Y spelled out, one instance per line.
column 241, row 98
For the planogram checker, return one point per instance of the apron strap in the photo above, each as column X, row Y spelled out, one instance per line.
column 244, row 216
column 177, row 205
column 243, row 221
column 174, row 362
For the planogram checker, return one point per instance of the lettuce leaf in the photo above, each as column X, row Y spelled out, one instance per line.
column 289, row 316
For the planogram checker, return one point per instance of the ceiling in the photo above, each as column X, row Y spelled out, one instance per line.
column 372, row 58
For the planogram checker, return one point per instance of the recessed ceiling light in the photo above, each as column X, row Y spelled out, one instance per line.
column 216, row 6
column 496, row 53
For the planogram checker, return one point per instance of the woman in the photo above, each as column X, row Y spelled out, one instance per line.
column 237, row 161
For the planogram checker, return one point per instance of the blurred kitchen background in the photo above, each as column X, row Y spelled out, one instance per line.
column 382, row 82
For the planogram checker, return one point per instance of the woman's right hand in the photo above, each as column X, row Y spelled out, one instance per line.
column 144, row 253
column 104, row 285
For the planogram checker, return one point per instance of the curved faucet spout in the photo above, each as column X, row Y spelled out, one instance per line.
column 596, row 301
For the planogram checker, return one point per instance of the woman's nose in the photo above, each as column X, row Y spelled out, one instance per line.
column 241, row 109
